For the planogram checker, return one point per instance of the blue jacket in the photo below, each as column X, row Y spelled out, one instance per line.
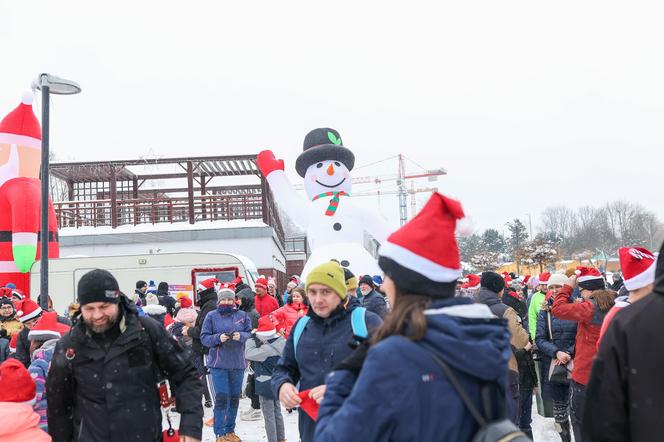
column 402, row 394
column 375, row 302
column 324, row 343
column 230, row 354
column 564, row 339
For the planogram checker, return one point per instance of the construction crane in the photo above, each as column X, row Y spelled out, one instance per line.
column 402, row 190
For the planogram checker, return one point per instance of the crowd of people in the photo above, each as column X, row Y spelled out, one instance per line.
column 359, row 357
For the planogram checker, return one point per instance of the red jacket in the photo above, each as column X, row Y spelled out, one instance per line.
column 265, row 304
column 286, row 316
column 589, row 318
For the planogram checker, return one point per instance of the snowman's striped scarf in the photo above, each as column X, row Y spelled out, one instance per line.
column 334, row 202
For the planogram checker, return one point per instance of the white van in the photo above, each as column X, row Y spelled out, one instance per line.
column 182, row 271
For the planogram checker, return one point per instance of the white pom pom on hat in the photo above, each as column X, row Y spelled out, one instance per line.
column 27, row 97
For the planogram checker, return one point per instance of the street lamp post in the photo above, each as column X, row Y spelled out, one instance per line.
column 48, row 84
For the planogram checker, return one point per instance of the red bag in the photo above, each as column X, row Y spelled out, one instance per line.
column 170, row 435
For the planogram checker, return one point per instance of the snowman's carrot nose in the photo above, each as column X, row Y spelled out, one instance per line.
column 330, row 170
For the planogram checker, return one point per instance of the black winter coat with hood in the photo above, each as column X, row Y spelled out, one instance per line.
column 247, row 304
column 207, row 300
column 108, row 392
column 625, row 394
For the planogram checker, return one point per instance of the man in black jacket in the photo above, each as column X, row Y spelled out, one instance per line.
column 102, row 384
column 141, row 290
column 372, row 300
column 625, row 394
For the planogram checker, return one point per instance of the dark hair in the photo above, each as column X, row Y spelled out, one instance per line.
column 141, row 284
column 162, row 287
column 406, row 318
column 302, row 293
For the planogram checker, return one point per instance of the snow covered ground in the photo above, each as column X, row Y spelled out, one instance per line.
column 254, row 431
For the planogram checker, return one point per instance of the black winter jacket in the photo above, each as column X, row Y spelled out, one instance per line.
column 95, row 395
column 23, row 343
column 167, row 301
column 208, row 303
column 246, row 296
column 375, row 302
column 625, row 394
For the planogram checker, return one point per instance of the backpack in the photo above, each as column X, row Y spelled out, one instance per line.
column 491, row 429
column 357, row 321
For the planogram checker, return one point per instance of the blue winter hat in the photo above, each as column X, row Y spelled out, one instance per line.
column 152, row 288
column 377, row 280
column 11, row 285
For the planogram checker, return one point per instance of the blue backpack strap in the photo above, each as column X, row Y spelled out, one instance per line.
column 359, row 323
column 297, row 332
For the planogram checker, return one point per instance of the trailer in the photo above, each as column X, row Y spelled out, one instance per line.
column 182, row 271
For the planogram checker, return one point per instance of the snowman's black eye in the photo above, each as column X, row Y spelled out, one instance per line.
column 336, row 163
column 319, row 165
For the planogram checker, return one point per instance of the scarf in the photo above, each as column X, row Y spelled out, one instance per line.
column 334, row 202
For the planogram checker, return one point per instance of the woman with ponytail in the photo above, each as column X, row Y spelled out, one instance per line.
column 396, row 382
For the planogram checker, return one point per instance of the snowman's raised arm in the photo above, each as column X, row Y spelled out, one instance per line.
column 295, row 205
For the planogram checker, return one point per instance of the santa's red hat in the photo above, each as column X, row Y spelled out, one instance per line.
column 266, row 327
column 589, row 278
column 47, row 328
column 526, row 279
column 16, row 384
column 227, row 287
column 422, row 257
column 473, row 281
column 207, row 284
column 21, row 126
column 638, row 267
column 29, row 310
column 544, row 277
column 261, row 282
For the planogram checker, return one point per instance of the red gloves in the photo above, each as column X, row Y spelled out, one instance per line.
column 267, row 163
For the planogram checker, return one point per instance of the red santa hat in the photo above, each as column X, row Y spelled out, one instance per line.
column 422, row 257
column 16, row 384
column 47, row 328
column 544, row 277
column 207, row 284
column 261, row 282
column 589, row 278
column 186, row 302
column 12, row 343
column 473, row 281
column 21, row 126
column 266, row 327
column 227, row 287
column 638, row 267
column 29, row 310
column 526, row 279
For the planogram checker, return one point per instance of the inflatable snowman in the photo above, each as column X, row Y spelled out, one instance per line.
column 336, row 227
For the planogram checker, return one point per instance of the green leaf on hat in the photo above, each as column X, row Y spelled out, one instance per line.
column 334, row 139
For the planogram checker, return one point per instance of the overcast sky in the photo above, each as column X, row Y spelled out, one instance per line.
column 526, row 104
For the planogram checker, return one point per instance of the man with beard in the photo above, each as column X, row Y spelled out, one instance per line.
column 103, row 381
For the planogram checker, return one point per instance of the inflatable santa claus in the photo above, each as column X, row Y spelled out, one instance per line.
column 20, row 197
column 336, row 226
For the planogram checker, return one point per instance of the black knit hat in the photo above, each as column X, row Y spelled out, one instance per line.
column 141, row 284
column 366, row 279
column 492, row 281
column 323, row 144
column 98, row 286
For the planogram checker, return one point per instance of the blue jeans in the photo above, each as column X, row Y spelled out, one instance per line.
column 227, row 388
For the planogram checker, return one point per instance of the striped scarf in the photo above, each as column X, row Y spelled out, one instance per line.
column 334, row 202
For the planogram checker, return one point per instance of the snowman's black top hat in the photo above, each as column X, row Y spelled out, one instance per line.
column 323, row 144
